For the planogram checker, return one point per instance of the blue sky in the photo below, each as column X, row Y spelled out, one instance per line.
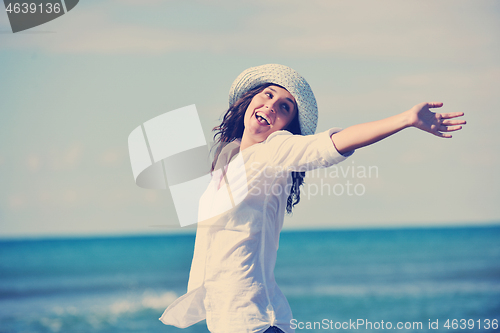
column 74, row 88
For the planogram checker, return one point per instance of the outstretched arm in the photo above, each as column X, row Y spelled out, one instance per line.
column 419, row 116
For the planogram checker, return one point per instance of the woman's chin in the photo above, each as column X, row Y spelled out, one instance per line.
column 258, row 134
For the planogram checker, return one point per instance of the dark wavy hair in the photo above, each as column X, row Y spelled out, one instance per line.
column 232, row 127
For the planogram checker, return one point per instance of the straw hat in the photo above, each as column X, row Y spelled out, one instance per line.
column 289, row 79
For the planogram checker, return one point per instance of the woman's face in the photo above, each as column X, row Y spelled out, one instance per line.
column 271, row 110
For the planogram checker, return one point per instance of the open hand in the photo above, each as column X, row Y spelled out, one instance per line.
column 423, row 118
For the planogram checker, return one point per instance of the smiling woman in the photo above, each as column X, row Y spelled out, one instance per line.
column 270, row 110
column 268, row 128
column 237, row 123
column 232, row 281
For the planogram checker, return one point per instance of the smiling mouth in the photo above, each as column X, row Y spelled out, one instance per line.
column 262, row 119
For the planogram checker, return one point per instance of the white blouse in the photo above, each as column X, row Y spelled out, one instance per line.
column 231, row 283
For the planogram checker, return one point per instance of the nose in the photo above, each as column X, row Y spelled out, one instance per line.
column 270, row 106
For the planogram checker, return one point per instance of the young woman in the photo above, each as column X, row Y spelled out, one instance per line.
column 265, row 143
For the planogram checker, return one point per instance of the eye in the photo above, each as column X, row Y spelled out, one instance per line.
column 270, row 95
column 286, row 107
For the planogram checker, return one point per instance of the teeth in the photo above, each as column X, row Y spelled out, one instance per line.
column 263, row 116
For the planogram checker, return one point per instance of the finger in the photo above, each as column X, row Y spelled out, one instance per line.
column 451, row 114
column 449, row 128
column 453, row 122
column 442, row 135
column 435, row 104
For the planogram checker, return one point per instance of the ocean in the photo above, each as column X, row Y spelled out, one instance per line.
column 336, row 280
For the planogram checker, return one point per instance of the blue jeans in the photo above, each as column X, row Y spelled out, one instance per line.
column 273, row 329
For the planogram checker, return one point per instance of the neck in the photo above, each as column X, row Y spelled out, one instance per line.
column 246, row 142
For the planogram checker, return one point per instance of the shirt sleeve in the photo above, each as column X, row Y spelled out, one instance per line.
column 302, row 153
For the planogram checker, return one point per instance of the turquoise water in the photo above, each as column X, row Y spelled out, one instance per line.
column 124, row 284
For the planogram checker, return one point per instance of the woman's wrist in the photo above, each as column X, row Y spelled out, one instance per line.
column 408, row 119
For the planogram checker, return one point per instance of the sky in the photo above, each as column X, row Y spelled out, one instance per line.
column 73, row 89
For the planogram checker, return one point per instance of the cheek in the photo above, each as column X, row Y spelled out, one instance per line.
column 287, row 119
column 247, row 116
column 281, row 123
column 292, row 117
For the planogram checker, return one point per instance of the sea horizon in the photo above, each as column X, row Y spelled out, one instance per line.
column 191, row 230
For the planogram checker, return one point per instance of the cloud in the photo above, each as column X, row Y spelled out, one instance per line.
column 441, row 30
column 60, row 159
column 398, row 29
column 112, row 158
column 17, row 201
column 140, row 3
column 65, row 159
column 482, row 82
column 33, row 162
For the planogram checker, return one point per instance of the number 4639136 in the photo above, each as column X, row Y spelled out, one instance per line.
column 469, row 324
column 33, row 8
